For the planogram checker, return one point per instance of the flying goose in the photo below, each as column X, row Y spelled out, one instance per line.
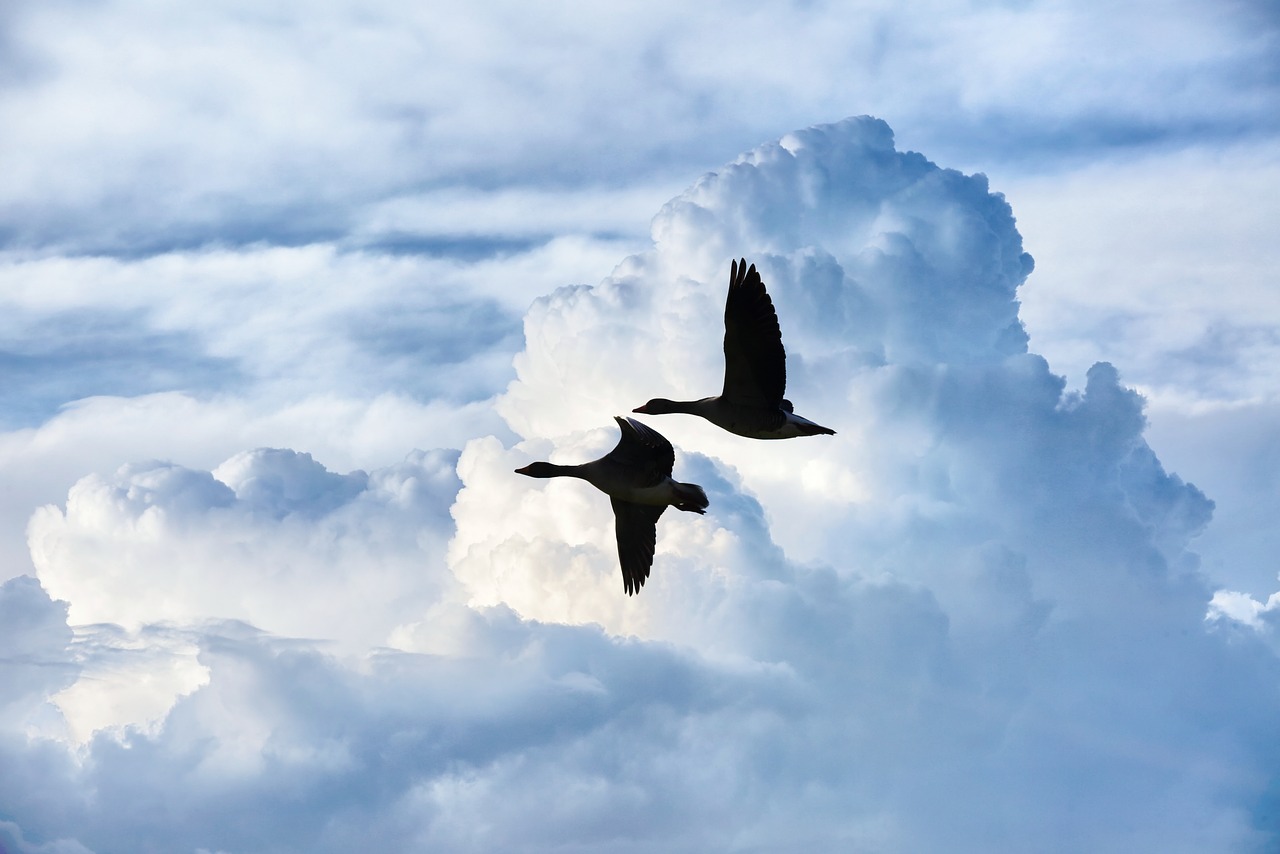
column 755, row 369
column 636, row 475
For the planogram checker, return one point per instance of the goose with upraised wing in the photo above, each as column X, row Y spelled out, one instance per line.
column 751, row 403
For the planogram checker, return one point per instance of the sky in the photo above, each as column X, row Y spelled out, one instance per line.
column 287, row 291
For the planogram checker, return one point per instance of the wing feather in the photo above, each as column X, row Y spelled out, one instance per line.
column 755, row 362
column 636, row 527
column 642, row 450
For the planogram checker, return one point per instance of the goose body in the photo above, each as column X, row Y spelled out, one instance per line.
column 751, row 403
column 636, row 475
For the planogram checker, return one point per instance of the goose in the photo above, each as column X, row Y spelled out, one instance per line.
column 636, row 475
column 755, row 370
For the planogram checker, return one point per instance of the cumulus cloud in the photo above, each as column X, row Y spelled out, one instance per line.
column 1189, row 327
column 1026, row 540
column 160, row 542
column 970, row 621
column 36, row 641
column 194, row 356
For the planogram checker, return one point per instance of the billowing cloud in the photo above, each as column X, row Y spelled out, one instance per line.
column 36, row 642
column 970, row 621
column 1025, row 539
column 1189, row 327
column 973, row 620
column 195, row 356
column 159, row 542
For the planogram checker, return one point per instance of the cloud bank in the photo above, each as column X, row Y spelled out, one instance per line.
column 971, row 621
column 232, row 125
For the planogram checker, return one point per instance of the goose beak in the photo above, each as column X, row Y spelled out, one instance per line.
column 642, row 409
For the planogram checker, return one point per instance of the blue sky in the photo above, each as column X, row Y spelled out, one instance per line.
column 289, row 291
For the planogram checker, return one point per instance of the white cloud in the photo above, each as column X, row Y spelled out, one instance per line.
column 289, row 321
column 981, row 578
column 1160, row 264
column 1183, row 229
column 36, row 658
column 228, row 124
column 102, row 434
column 270, row 537
column 1000, row 568
column 194, row 356
column 969, row 621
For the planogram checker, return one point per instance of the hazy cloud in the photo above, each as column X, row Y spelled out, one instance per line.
column 232, row 126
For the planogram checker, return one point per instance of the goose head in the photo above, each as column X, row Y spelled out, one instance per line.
column 659, row 406
column 540, row 469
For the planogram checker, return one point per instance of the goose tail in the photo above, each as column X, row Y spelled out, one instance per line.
column 812, row 429
column 797, row 425
column 691, row 497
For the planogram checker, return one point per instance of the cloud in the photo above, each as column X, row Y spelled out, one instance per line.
column 219, row 127
column 970, row 621
column 1181, row 230
column 979, row 424
column 359, row 323
column 36, row 640
column 69, row 355
column 102, row 434
column 1187, row 326
column 408, row 750
column 1025, row 540
column 1234, row 453
column 162, row 543
column 194, row 356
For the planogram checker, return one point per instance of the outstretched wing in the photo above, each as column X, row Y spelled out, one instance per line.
column 642, row 450
column 755, row 363
column 636, row 526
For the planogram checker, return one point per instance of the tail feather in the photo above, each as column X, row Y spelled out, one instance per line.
column 692, row 498
column 802, row 426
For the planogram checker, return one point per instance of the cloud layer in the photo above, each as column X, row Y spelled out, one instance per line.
column 971, row 621
column 230, row 125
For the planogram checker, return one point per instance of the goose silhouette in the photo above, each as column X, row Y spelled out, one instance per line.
column 751, row 403
column 636, row 475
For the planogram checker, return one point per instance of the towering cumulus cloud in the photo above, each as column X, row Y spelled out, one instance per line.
column 970, row 621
